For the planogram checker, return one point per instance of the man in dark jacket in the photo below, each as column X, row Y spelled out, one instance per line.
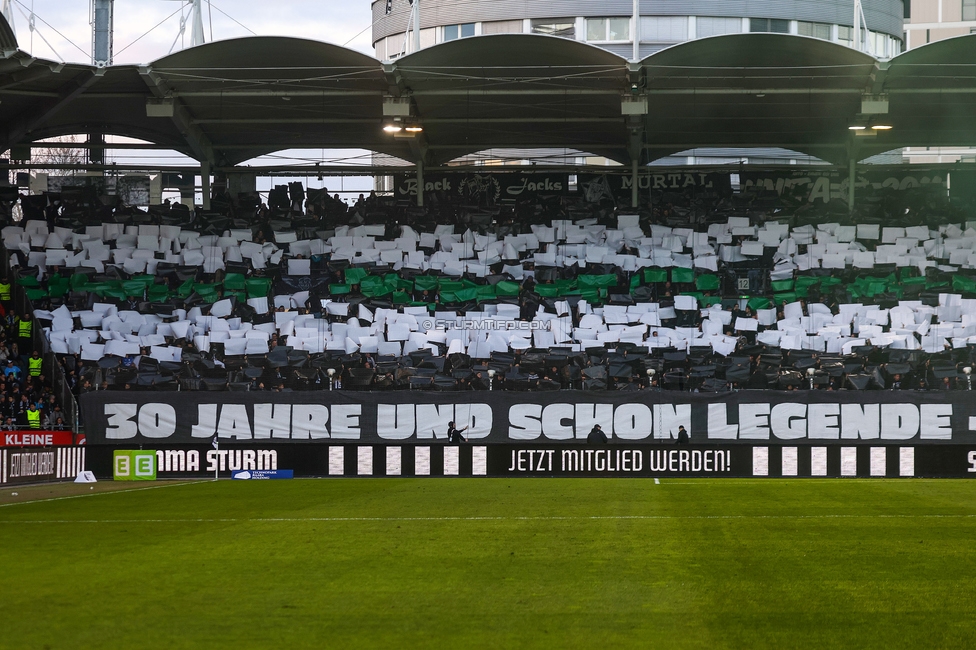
column 596, row 436
column 682, row 435
column 454, row 434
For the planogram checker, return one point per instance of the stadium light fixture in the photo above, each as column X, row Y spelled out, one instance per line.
column 857, row 127
column 392, row 127
column 882, row 127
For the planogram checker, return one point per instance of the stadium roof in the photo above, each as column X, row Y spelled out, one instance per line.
column 230, row 101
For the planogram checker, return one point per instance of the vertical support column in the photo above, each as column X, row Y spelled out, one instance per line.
column 416, row 25
column 637, row 31
column 420, row 183
column 205, row 183
column 634, row 196
column 851, row 175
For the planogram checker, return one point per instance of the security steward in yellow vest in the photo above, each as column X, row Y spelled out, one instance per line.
column 33, row 417
column 25, row 333
column 4, row 292
column 34, row 363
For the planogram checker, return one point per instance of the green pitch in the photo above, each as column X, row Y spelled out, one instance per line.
column 491, row 563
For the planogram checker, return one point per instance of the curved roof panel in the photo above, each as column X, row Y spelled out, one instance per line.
column 759, row 60
column 233, row 100
column 8, row 40
column 769, row 90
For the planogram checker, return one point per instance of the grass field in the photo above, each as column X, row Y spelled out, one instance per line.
column 491, row 563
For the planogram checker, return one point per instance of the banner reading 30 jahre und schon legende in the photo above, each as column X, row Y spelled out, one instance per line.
column 501, row 417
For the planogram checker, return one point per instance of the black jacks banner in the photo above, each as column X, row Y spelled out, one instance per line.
column 822, row 186
column 661, row 460
column 484, row 189
column 502, row 417
column 618, row 187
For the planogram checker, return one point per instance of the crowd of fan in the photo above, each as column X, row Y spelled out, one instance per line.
column 27, row 400
column 327, row 314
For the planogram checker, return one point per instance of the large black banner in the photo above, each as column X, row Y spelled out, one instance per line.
column 484, row 189
column 822, row 186
column 660, row 460
column 500, row 417
column 618, row 187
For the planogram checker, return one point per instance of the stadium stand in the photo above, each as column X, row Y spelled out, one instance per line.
column 702, row 292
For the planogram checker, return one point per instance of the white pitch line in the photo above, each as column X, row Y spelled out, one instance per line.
column 408, row 519
column 657, row 481
column 95, row 494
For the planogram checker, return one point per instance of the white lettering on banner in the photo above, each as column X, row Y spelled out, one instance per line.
column 553, row 418
column 237, row 459
column 178, row 460
column 157, row 420
column 972, row 462
column 308, row 422
column 430, row 421
column 667, row 419
column 860, row 421
column 272, row 421
column 563, row 421
column 231, row 421
column 935, row 422
column 409, row 186
column 345, row 421
column 675, row 461
column 754, row 421
column 545, row 185
column 31, row 463
column 899, row 421
column 28, row 439
column 828, row 421
column 119, row 424
column 788, row 421
column 822, row 421
column 718, row 423
column 234, row 423
column 206, row 425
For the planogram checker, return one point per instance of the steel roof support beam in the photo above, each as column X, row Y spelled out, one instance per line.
column 198, row 142
column 45, row 110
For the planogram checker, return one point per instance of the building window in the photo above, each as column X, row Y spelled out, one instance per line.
column 816, row 30
column 502, row 27
column 775, row 25
column 713, row 26
column 969, row 9
column 664, row 29
column 554, row 27
column 845, row 35
column 454, row 32
column 608, row 29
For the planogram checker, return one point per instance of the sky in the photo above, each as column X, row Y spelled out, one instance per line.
column 68, row 33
